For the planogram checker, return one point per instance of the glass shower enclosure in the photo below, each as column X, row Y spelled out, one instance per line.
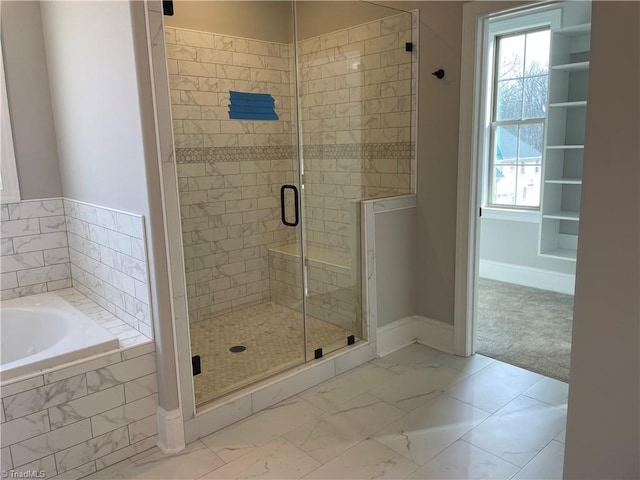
column 278, row 138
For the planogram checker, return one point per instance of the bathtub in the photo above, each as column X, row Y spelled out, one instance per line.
column 44, row 331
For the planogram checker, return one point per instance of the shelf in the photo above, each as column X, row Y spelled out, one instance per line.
column 565, row 181
column 574, row 31
column 563, row 215
column 565, row 147
column 563, row 253
column 577, row 104
column 572, row 67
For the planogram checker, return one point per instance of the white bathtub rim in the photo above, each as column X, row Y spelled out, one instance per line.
column 84, row 335
column 74, row 363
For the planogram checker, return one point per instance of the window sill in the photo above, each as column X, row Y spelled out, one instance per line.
column 527, row 216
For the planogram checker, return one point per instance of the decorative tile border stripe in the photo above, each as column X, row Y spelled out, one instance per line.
column 341, row 151
column 360, row 150
column 233, row 154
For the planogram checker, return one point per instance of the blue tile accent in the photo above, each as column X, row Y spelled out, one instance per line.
column 251, row 106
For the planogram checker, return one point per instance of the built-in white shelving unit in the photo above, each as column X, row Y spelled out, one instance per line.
column 564, row 141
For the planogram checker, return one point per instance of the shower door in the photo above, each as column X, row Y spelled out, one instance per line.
column 355, row 70
column 233, row 108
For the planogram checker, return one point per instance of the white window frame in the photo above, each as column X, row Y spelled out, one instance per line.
column 494, row 27
column 9, row 186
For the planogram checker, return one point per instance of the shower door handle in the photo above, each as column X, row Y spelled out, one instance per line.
column 296, row 203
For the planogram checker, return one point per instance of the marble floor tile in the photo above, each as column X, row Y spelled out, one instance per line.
column 407, row 358
column 261, row 428
column 549, row 390
column 494, row 386
column 562, row 436
column 464, row 461
column 498, row 421
column 327, row 436
column 517, row 432
column 470, row 365
column 547, row 465
column 333, row 394
column 413, row 388
column 367, row 460
column 426, row 431
column 277, row 459
column 191, row 463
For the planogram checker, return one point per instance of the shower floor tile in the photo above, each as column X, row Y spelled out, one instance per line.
column 272, row 335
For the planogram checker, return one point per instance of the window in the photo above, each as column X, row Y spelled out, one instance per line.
column 9, row 189
column 516, row 79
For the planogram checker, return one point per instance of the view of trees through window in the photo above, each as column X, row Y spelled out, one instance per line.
column 519, row 109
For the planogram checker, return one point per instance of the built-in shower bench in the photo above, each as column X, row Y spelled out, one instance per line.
column 333, row 292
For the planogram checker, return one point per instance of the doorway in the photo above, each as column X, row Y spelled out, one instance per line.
column 528, row 129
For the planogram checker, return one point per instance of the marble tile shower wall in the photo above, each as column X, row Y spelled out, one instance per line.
column 35, row 253
column 357, row 97
column 73, row 421
column 57, row 243
column 108, row 261
column 229, row 171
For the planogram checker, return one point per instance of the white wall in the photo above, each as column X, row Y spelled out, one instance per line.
column 517, row 243
column 34, row 135
column 509, row 253
column 395, row 258
column 95, row 102
column 440, row 33
column 258, row 20
column 603, row 426
column 100, row 81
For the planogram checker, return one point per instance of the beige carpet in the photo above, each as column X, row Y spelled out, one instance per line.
column 526, row 327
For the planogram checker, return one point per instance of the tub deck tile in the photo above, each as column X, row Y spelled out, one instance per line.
column 21, row 386
column 44, row 397
column 86, row 406
column 91, row 449
column 85, row 366
column 25, row 427
column 51, row 442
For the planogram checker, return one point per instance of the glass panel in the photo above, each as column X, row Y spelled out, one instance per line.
column 243, row 264
column 356, row 97
column 511, row 57
column 509, row 100
column 537, row 53
column 506, row 144
column 504, row 184
column 531, row 140
column 535, row 97
column 528, row 188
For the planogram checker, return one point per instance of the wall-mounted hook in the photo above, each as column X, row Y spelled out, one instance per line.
column 439, row 74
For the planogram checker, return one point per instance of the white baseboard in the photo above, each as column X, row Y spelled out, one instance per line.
column 433, row 333
column 170, row 431
column 414, row 329
column 528, row 276
column 395, row 335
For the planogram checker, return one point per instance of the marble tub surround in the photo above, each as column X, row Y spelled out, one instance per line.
column 127, row 335
column 57, row 243
column 415, row 413
column 82, row 417
column 108, row 261
column 35, row 253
